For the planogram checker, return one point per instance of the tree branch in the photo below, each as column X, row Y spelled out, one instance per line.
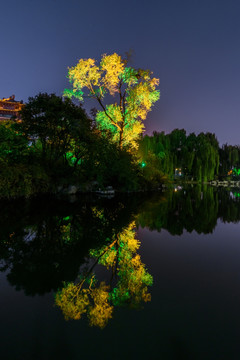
column 105, row 111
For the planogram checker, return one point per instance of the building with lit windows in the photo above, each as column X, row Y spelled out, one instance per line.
column 10, row 107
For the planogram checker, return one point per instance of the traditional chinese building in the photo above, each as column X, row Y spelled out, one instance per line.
column 10, row 107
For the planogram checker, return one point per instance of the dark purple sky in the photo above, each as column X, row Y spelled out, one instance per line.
column 192, row 46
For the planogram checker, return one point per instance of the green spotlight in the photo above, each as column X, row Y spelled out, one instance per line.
column 236, row 171
column 66, row 218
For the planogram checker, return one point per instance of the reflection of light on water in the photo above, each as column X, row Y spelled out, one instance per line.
column 234, row 194
column 178, row 172
column 30, row 235
column 177, row 188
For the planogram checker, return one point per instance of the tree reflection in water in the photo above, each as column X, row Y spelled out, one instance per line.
column 44, row 242
column 128, row 284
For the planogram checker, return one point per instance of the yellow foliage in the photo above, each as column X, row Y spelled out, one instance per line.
column 109, row 258
column 101, row 311
column 128, row 238
column 140, row 99
column 98, row 213
column 154, row 82
column 113, row 66
column 132, row 134
column 72, row 302
column 146, row 296
column 65, row 232
column 84, row 74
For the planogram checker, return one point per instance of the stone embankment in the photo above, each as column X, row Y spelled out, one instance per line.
column 225, row 183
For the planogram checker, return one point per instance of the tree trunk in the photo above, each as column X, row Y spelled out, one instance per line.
column 120, row 138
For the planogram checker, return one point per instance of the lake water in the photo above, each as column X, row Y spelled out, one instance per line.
column 149, row 276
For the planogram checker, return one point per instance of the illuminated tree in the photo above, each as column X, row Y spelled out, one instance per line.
column 135, row 89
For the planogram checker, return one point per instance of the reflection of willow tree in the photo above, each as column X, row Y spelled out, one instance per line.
column 229, row 206
column 193, row 209
column 128, row 283
column 196, row 208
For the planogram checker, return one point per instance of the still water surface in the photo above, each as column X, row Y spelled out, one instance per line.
column 154, row 276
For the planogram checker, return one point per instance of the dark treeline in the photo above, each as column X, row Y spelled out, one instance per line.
column 56, row 145
column 192, row 157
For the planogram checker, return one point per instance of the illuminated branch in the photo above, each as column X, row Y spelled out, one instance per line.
column 96, row 262
column 112, row 121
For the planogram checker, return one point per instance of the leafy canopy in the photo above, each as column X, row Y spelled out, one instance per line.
column 59, row 126
column 133, row 91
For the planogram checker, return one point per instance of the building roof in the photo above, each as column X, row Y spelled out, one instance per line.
column 10, row 99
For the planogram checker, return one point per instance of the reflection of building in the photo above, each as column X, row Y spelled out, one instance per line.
column 10, row 107
column 178, row 172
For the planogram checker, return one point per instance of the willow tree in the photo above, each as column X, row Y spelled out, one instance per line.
column 132, row 93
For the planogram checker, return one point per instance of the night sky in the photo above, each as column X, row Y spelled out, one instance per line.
column 192, row 46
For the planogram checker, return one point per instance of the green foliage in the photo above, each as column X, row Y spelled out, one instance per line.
column 57, row 126
column 229, row 160
column 196, row 156
column 152, row 176
column 109, row 165
column 13, row 145
column 19, row 174
column 136, row 91
column 22, row 180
